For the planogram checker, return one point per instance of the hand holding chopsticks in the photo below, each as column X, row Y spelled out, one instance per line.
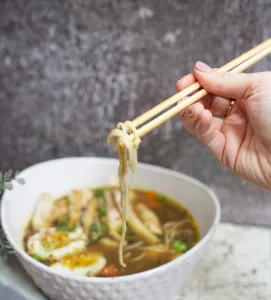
column 235, row 66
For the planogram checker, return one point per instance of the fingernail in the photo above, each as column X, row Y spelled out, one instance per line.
column 202, row 67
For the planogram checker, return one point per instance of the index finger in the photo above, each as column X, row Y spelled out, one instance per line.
column 185, row 82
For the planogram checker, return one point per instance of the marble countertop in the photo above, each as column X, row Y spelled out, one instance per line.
column 236, row 265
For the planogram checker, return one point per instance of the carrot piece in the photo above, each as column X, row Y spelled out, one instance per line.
column 151, row 200
column 110, row 271
column 150, row 195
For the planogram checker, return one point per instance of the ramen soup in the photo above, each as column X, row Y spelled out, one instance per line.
column 80, row 233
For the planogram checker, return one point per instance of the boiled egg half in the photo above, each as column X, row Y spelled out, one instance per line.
column 87, row 263
column 51, row 244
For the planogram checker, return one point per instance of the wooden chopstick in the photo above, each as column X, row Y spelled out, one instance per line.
column 190, row 100
column 175, row 98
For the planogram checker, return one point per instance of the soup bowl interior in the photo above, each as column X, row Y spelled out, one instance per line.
column 58, row 177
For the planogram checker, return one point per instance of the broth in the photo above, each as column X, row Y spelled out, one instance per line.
column 80, row 232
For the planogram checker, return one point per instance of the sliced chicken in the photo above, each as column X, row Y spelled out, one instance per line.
column 108, row 243
column 159, row 251
column 61, row 209
column 155, row 252
column 42, row 217
column 113, row 216
column 117, row 199
column 149, row 218
column 115, row 222
column 78, row 201
column 90, row 213
column 141, row 230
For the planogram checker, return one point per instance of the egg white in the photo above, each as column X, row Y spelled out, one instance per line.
column 35, row 246
column 91, row 270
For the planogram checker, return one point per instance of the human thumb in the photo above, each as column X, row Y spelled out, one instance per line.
column 223, row 84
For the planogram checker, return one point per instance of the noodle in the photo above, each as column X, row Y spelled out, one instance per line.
column 127, row 255
column 158, row 248
column 171, row 230
column 137, row 258
column 133, row 246
column 126, row 142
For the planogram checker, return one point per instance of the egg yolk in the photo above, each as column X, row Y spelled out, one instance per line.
column 56, row 240
column 78, row 260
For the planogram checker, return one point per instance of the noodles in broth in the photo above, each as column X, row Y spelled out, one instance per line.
column 126, row 142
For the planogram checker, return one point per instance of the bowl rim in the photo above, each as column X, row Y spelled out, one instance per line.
column 131, row 277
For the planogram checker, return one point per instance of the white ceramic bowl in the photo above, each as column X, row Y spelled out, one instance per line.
column 58, row 177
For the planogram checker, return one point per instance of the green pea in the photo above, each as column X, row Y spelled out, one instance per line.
column 179, row 246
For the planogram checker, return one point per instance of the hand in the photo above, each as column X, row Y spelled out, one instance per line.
column 242, row 140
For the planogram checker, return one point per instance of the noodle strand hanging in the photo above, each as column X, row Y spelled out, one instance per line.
column 126, row 142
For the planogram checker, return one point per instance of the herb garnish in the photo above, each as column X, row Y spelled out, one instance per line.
column 5, row 183
column 161, row 198
column 7, row 177
column 97, row 230
column 63, row 225
column 99, row 192
column 36, row 257
column 104, row 228
column 101, row 211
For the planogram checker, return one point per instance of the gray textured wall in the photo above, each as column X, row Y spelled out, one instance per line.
column 70, row 70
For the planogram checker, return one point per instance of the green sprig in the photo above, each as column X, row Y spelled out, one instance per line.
column 5, row 184
column 5, row 247
column 6, row 178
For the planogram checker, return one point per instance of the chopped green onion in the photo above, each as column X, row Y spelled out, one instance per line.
column 99, row 192
column 179, row 246
column 36, row 257
column 161, row 198
column 104, row 228
column 66, row 228
column 94, row 227
column 101, row 211
column 63, row 225
column 72, row 228
column 64, row 222
column 68, row 201
column 60, row 228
